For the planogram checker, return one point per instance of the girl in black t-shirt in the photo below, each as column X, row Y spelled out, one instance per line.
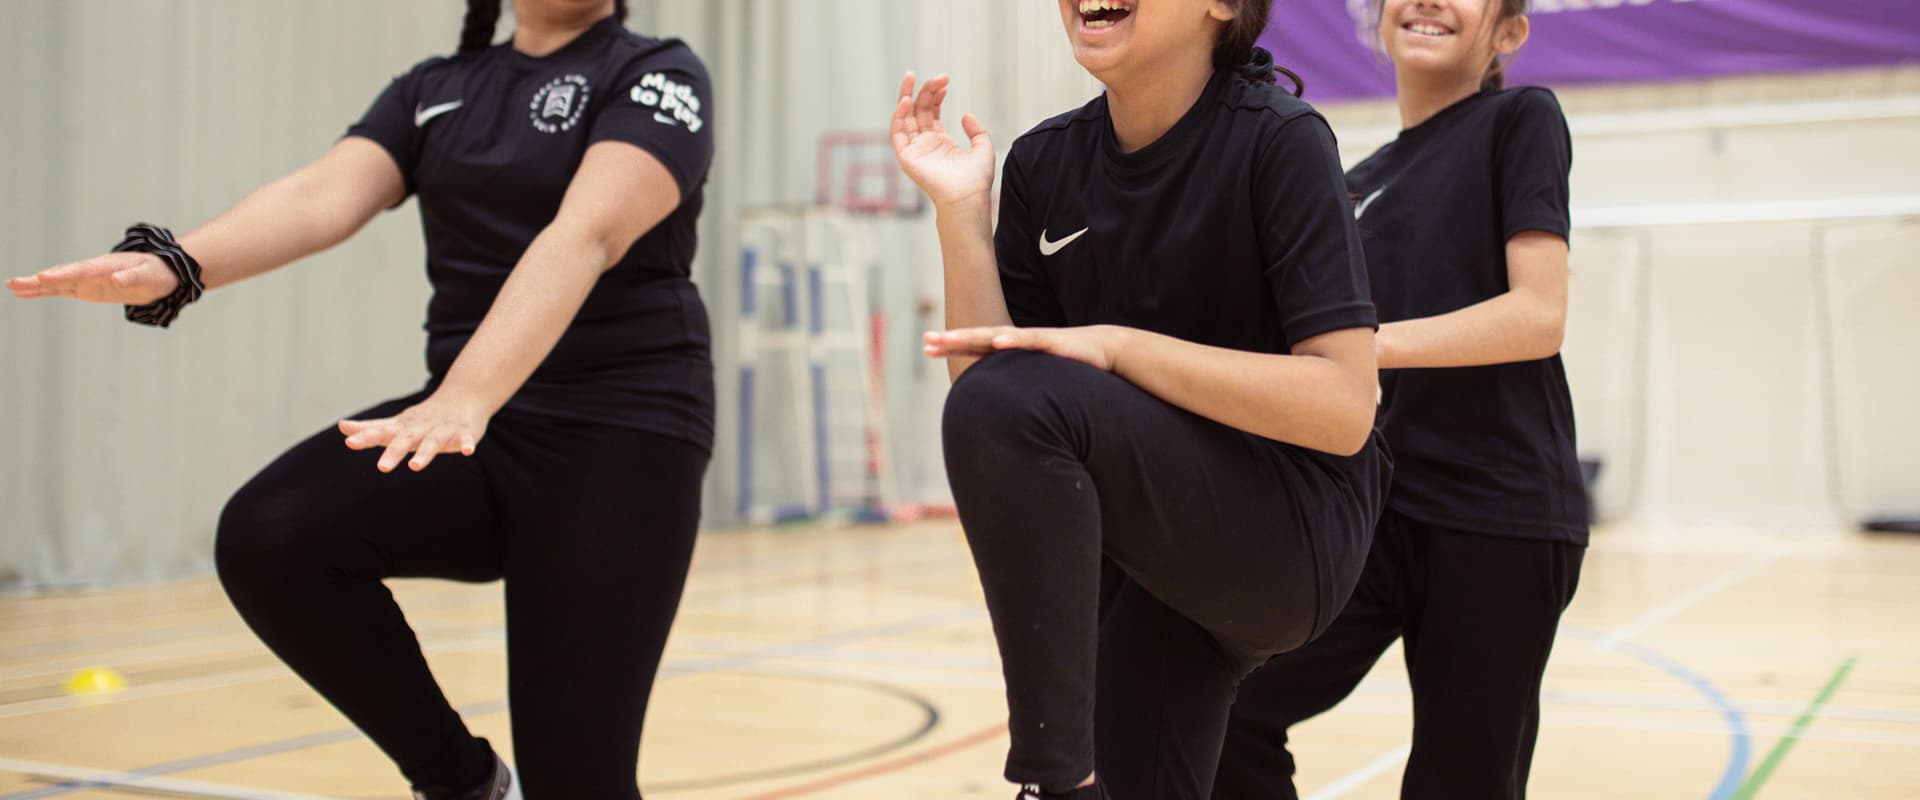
column 1160, row 432
column 1465, row 222
column 562, row 438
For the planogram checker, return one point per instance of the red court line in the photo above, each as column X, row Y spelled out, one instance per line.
column 986, row 734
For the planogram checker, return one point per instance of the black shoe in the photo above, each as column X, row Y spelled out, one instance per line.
column 501, row 785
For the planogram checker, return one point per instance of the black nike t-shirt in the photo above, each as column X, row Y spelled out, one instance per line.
column 490, row 140
column 1482, row 449
column 1232, row 230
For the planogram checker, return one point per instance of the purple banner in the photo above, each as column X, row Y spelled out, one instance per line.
column 1333, row 44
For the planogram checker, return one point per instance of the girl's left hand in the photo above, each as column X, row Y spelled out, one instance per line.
column 1094, row 345
column 439, row 424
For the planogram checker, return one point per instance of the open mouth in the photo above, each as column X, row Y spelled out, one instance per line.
column 1101, row 14
column 1427, row 28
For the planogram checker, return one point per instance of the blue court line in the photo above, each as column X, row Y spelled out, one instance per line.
column 697, row 667
column 1736, row 768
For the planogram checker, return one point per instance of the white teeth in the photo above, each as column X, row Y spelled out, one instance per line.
column 1429, row 30
column 1092, row 6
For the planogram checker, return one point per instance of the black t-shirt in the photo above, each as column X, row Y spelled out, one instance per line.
column 1483, row 449
column 490, row 140
column 1232, row 230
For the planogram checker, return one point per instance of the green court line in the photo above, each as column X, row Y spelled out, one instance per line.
column 1763, row 772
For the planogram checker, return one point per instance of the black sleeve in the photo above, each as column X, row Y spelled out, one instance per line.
column 1532, row 156
column 1016, row 245
column 389, row 121
column 663, row 104
column 1307, row 234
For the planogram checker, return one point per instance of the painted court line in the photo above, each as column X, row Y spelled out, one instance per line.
column 241, row 643
column 827, row 643
column 1663, row 612
column 1359, row 777
column 1741, row 746
column 1616, row 640
column 132, row 781
column 845, row 559
column 480, row 640
column 1629, row 700
column 735, row 661
column 978, row 737
column 1779, row 752
column 164, row 689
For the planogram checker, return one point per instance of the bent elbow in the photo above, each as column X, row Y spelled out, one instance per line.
column 1349, row 450
column 1355, row 440
column 1551, row 333
column 1354, row 430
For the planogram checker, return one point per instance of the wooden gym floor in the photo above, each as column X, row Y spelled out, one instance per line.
column 857, row 663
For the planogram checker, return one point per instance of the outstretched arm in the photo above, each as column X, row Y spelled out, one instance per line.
column 314, row 208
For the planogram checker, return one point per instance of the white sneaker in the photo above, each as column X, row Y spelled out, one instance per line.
column 513, row 784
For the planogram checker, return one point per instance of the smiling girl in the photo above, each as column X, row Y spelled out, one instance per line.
column 1160, row 436
column 1465, row 222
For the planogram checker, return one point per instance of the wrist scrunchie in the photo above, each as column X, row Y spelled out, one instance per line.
column 145, row 238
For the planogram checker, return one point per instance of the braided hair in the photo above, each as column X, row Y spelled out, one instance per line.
column 483, row 16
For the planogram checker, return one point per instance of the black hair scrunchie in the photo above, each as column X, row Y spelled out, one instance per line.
column 145, row 238
column 1260, row 68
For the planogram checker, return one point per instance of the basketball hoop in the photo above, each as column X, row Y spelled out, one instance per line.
column 855, row 172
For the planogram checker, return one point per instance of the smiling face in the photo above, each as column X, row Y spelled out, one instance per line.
column 1114, row 37
column 1449, row 38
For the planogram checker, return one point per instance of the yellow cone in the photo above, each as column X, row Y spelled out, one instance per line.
column 95, row 680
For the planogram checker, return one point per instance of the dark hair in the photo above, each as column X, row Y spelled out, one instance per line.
column 1235, row 49
column 484, row 15
column 1496, row 76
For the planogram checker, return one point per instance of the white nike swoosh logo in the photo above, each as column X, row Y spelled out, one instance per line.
column 1049, row 248
column 422, row 115
column 662, row 118
column 1361, row 210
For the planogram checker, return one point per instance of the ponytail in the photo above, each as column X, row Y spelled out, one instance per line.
column 483, row 16
column 1237, row 50
column 1496, row 75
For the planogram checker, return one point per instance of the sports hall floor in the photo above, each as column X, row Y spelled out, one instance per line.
column 857, row 663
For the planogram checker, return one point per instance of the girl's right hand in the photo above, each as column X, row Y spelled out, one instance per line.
column 128, row 279
column 948, row 174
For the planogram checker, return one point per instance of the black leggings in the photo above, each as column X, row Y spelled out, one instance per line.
column 1478, row 614
column 592, row 527
column 1213, row 553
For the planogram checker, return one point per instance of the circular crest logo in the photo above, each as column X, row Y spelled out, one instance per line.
column 559, row 105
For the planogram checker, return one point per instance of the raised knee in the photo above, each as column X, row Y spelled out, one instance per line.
column 262, row 537
column 1004, row 394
